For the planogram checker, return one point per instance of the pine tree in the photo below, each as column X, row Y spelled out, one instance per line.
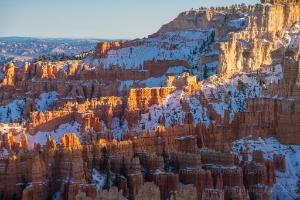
column 117, row 180
column 15, row 197
column 241, row 149
column 298, row 188
column 147, row 174
column 212, row 38
column 24, row 182
column 122, row 173
column 106, row 185
column 121, row 122
column 122, row 167
column 2, row 195
column 149, row 117
column 8, row 112
column 104, row 160
column 177, row 166
column 205, row 76
column 159, row 119
column 166, row 157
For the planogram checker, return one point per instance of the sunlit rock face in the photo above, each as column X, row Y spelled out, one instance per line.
column 205, row 108
column 270, row 32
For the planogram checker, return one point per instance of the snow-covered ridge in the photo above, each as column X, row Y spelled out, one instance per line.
column 183, row 45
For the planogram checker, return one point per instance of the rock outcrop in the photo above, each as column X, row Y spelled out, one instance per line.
column 258, row 45
column 188, row 157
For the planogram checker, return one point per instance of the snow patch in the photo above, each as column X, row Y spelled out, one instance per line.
column 43, row 104
column 12, row 111
column 41, row 137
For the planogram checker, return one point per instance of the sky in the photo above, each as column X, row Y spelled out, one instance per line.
column 106, row 19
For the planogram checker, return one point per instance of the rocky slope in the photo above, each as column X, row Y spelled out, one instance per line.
column 206, row 108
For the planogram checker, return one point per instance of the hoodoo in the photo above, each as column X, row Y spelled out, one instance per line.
column 207, row 107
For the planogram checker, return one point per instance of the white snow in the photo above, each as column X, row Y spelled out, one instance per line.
column 41, row 137
column 155, row 82
column 98, row 179
column 12, row 111
column 3, row 152
column 239, row 23
column 183, row 45
column 225, row 91
column 119, row 127
column 198, row 112
column 176, row 70
column 152, row 81
column 171, row 109
column 2, row 74
column 56, row 196
column 221, row 94
column 291, row 38
column 286, row 182
column 43, row 104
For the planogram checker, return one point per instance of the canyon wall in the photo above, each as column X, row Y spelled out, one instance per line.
column 257, row 45
column 195, row 19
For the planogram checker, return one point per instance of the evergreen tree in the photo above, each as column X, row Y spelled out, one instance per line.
column 147, row 174
column 177, row 166
column 24, row 182
column 205, row 76
column 298, row 188
column 212, row 37
column 241, row 149
column 106, row 185
column 2, row 195
column 166, row 157
column 15, row 197
column 117, row 180
column 149, row 117
column 159, row 119
column 122, row 167
column 135, row 155
column 8, row 112
column 104, row 160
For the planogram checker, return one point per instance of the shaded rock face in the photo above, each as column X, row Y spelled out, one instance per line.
column 197, row 156
column 45, row 170
column 185, row 160
column 168, row 183
column 70, row 190
column 131, row 172
column 148, row 191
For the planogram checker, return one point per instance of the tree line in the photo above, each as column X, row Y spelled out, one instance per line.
column 231, row 9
